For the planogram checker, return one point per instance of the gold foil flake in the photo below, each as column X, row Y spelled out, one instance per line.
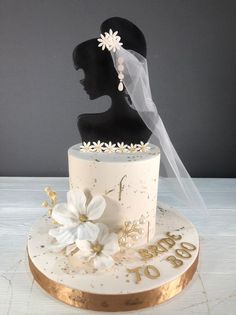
column 148, row 232
column 52, row 195
column 109, row 191
column 121, row 186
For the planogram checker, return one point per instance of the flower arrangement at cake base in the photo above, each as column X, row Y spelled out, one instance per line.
column 78, row 259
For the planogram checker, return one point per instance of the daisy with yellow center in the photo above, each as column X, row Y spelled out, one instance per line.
column 132, row 148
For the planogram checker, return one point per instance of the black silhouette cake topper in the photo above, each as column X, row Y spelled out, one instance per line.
column 120, row 123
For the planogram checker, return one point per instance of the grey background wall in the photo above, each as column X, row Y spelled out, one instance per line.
column 191, row 55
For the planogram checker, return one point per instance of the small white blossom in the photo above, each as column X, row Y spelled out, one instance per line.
column 104, row 41
column 100, row 251
column 98, row 146
column 143, row 147
column 109, row 147
column 121, row 147
column 76, row 219
column 132, row 148
column 86, row 147
column 111, row 41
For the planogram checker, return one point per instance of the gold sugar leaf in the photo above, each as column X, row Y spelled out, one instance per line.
column 50, row 204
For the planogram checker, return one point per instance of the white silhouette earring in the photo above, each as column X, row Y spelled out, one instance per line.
column 120, row 68
column 111, row 41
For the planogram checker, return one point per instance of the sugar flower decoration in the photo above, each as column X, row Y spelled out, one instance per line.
column 143, row 147
column 109, row 147
column 131, row 232
column 121, row 147
column 86, row 147
column 103, row 41
column 132, row 148
column 100, row 251
column 98, row 146
column 76, row 218
column 110, row 40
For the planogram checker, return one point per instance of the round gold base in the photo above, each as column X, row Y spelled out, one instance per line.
column 120, row 289
column 110, row 302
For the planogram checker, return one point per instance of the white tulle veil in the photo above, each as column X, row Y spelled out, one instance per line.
column 182, row 191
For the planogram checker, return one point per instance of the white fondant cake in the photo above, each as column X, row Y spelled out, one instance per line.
column 127, row 181
column 80, row 253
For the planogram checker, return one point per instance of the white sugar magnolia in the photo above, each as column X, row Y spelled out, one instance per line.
column 100, row 251
column 77, row 218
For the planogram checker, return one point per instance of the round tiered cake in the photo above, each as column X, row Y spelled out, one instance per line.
column 111, row 247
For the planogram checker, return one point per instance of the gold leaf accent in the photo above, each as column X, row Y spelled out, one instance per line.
column 52, row 196
column 121, row 186
column 130, row 231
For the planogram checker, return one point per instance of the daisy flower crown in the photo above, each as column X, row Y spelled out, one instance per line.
column 111, row 41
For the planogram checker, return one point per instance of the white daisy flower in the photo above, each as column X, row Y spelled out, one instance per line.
column 101, row 250
column 109, row 147
column 132, row 148
column 111, row 41
column 76, row 219
column 121, row 147
column 98, row 146
column 114, row 40
column 104, row 41
column 143, row 147
column 86, row 147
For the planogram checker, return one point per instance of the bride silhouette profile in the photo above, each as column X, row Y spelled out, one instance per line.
column 120, row 123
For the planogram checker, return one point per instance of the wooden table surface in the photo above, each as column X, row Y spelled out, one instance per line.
column 212, row 291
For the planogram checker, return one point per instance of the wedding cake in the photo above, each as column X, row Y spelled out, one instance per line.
column 111, row 245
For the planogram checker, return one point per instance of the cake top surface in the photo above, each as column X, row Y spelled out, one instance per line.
column 115, row 157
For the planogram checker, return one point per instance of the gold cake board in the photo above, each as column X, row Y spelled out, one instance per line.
column 140, row 298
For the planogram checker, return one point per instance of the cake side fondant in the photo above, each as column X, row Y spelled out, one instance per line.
column 128, row 182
